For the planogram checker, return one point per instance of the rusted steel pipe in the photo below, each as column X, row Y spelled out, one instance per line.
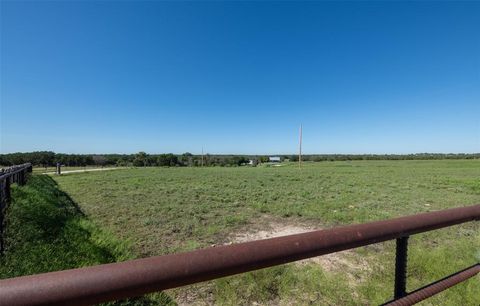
column 108, row 282
column 436, row 287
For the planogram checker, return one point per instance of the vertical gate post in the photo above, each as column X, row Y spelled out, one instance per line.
column 401, row 268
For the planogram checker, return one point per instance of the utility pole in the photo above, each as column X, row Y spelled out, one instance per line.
column 202, row 156
column 300, row 149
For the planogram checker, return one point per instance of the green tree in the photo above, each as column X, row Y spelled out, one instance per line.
column 187, row 159
column 140, row 159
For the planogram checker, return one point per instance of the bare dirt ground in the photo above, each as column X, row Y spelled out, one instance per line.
column 269, row 227
column 354, row 266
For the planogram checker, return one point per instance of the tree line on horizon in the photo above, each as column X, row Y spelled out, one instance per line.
column 142, row 159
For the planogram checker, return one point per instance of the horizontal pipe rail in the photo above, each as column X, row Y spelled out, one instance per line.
column 10, row 171
column 436, row 287
column 114, row 281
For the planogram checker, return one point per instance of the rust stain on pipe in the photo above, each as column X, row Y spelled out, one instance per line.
column 115, row 281
column 437, row 287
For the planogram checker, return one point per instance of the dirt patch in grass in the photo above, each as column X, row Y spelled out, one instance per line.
column 198, row 295
column 348, row 263
column 269, row 227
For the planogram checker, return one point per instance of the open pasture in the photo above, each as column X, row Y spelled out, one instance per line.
column 166, row 210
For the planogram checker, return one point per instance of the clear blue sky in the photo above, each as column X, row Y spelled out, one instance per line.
column 240, row 77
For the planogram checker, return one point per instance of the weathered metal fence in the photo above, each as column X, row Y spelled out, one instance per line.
column 8, row 176
column 115, row 281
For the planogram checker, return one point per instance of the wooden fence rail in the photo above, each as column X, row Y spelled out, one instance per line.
column 11, row 175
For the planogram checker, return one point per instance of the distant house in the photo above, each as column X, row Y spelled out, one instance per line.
column 274, row 159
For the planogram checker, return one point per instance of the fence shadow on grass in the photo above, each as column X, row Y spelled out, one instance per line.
column 47, row 231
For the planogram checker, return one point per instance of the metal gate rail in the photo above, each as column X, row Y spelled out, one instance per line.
column 115, row 281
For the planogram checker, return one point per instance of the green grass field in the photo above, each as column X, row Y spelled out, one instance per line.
column 155, row 211
column 167, row 210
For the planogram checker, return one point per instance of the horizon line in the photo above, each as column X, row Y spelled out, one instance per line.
column 248, row 154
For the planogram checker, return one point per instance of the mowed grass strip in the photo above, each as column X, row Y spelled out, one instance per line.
column 167, row 210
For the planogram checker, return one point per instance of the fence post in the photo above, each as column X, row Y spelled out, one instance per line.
column 7, row 192
column 21, row 178
column 2, row 205
column 4, row 200
column 11, row 175
column 401, row 268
